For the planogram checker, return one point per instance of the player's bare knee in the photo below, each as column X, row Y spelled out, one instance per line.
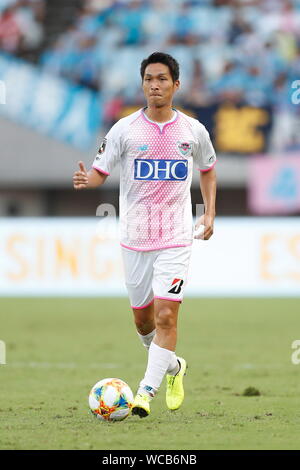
column 143, row 327
column 165, row 318
column 143, row 321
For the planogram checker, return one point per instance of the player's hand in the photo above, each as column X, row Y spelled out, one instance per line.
column 80, row 178
column 204, row 228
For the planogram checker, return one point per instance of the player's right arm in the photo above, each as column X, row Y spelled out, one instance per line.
column 84, row 179
column 108, row 156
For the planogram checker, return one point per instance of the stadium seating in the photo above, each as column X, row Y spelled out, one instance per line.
column 21, row 26
column 242, row 51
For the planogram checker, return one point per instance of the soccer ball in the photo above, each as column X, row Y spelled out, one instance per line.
column 111, row 399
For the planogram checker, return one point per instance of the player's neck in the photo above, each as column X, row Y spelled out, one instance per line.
column 163, row 114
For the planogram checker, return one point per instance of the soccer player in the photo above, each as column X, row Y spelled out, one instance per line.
column 156, row 148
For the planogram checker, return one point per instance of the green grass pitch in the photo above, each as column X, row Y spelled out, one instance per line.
column 58, row 348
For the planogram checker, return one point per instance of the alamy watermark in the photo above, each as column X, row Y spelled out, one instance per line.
column 295, row 358
column 2, row 92
column 2, row 352
column 296, row 93
column 147, row 221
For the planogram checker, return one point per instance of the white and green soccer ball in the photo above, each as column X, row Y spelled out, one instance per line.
column 111, row 399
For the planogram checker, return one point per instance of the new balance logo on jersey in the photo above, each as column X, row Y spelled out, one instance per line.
column 143, row 148
column 163, row 170
column 176, row 286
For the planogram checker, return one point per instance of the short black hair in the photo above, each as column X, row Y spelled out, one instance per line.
column 161, row 58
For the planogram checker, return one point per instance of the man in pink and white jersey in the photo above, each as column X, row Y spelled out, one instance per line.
column 157, row 148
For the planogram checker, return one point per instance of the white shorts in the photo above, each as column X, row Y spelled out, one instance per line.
column 160, row 274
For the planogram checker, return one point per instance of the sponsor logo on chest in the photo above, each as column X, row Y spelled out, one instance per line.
column 160, row 170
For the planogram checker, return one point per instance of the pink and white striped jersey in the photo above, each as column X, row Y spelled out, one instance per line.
column 156, row 165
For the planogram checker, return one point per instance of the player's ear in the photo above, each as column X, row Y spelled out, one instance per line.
column 176, row 85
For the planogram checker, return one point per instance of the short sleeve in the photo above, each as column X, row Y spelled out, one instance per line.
column 109, row 152
column 204, row 155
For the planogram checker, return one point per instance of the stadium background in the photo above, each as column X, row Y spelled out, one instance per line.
column 68, row 70
column 83, row 58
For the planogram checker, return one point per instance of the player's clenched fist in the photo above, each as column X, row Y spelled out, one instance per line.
column 80, row 178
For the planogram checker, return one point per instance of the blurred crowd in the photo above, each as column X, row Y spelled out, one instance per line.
column 21, row 25
column 243, row 50
column 243, row 46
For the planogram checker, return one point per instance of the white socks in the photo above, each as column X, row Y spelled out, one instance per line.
column 160, row 361
column 147, row 339
column 174, row 366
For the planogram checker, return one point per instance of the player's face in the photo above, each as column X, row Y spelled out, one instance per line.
column 158, row 85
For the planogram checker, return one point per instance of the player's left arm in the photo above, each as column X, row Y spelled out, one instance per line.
column 208, row 187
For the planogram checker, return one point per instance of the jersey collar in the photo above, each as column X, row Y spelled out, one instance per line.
column 161, row 130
